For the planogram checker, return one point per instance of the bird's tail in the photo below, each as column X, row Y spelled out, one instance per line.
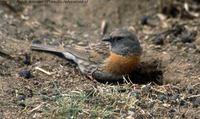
column 44, row 48
column 66, row 53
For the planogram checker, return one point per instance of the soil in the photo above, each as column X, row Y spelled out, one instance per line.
column 173, row 58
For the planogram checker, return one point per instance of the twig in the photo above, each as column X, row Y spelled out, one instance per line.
column 193, row 96
column 44, row 71
column 103, row 27
column 4, row 54
column 36, row 108
column 159, row 91
column 196, row 84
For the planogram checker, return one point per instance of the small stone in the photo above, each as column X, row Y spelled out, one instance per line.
column 36, row 42
column 162, row 97
column 21, row 97
column 172, row 110
column 24, row 73
column 188, row 37
column 158, row 41
column 196, row 102
column 190, row 89
column 183, row 103
column 26, row 59
column 175, row 97
column 144, row 20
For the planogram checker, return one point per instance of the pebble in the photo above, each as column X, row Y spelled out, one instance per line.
column 162, row 97
column 188, row 37
column 144, row 20
column 196, row 102
column 158, row 41
column 172, row 110
column 190, row 89
column 26, row 59
column 175, row 97
column 36, row 42
column 21, row 97
column 25, row 73
column 183, row 103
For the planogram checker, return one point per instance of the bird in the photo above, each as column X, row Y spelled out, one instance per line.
column 122, row 58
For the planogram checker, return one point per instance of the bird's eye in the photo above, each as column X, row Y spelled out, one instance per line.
column 117, row 38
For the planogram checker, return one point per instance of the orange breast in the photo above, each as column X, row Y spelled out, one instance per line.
column 119, row 64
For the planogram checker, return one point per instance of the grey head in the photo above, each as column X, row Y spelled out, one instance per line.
column 124, row 42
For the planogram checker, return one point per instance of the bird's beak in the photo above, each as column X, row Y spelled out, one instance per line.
column 107, row 38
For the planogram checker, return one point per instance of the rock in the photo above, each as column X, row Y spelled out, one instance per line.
column 36, row 41
column 196, row 102
column 21, row 97
column 175, row 97
column 158, row 41
column 190, row 89
column 25, row 74
column 144, row 20
column 26, row 59
column 188, row 37
column 162, row 97
column 183, row 103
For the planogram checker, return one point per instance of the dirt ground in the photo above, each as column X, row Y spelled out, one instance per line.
column 170, row 40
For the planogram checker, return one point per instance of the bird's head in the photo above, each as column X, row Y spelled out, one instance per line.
column 123, row 42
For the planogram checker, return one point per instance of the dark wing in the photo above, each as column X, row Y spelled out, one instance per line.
column 86, row 59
